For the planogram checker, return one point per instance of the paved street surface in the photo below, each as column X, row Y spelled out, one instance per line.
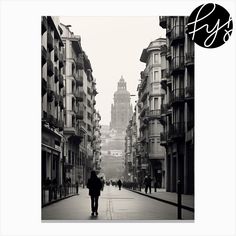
column 187, row 200
column 114, row 204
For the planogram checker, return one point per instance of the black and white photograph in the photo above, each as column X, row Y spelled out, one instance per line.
column 117, row 118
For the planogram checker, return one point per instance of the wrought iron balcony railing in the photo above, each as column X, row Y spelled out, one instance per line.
column 44, row 55
column 177, row 95
column 177, row 34
column 50, row 67
column 177, row 64
column 50, row 43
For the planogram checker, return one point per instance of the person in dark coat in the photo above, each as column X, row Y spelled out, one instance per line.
column 148, row 184
column 119, row 184
column 94, row 185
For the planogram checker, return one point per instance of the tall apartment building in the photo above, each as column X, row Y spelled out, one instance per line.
column 52, row 100
column 74, row 111
column 150, row 97
column 79, row 98
column 178, row 104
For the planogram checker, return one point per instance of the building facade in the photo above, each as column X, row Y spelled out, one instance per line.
column 52, row 105
column 178, row 104
column 70, row 123
column 74, row 110
column 150, row 97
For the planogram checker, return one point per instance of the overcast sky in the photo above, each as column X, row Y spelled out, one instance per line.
column 114, row 46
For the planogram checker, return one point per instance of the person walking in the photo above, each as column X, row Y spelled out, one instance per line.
column 119, row 184
column 94, row 185
column 148, row 184
column 103, row 182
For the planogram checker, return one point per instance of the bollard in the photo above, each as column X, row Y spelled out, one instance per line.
column 179, row 200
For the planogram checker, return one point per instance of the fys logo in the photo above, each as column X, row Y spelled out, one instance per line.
column 210, row 25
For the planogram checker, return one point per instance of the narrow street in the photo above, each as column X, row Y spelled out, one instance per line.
column 114, row 204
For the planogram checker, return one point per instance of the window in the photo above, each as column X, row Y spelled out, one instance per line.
column 156, row 76
column 155, row 103
column 156, row 58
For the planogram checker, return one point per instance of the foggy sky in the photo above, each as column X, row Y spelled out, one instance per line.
column 114, row 46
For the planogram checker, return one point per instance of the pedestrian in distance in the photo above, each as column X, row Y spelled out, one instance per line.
column 119, row 184
column 77, row 187
column 94, row 185
column 103, row 182
column 148, row 184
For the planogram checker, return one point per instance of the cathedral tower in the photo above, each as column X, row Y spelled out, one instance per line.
column 121, row 110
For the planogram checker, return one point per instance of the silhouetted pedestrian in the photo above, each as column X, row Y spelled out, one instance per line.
column 148, row 184
column 103, row 182
column 119, row 184
column 77, row 187
column 94, row 185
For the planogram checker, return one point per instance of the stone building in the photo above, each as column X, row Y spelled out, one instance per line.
column 178, row 104
column 150, row 97
column 74, row 111
column 52, row 105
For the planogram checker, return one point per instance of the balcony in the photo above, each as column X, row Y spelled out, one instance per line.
column 143, row 123
column 154, row 114
column 168, row 53
column 50, row 44
column 177, row 64
column 56, row 100
column 70, row 130
column 80, row 115
column 163, row 138
column 177, row 130
column 162, row 20
column 61, row 60
column 56, row 53
column 189, row 59
column 56, row 74
column 79, row 81
column 44, row 86
column 144, row 94
column 143, row 109
column 61, row 125
column 61, row 83
column 177, row 35
column 143, row 83
column 50, row 94
column 80, row 96
column 164, row 109
column 44, row 55
column 44, row 24
column 168, row 73
column 80, row 62
column 50, row 67
column 189, row 92
column 177, row 96
column 61, row 102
